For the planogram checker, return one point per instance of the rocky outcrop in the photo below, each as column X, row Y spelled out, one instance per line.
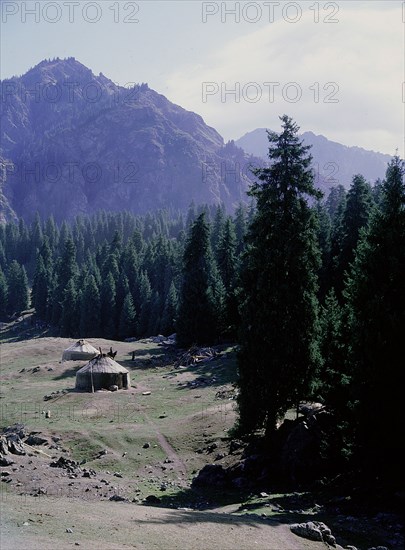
column 80, row 143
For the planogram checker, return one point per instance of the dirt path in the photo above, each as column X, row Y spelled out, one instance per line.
column 177, row 463
column 42, row 524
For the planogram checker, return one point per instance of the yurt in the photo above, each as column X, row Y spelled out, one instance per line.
column 80, row 351
column 102, row 372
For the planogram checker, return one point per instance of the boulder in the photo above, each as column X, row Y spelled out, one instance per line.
column 3, row 445
column 15, row 445
column 211, row 475
column 5, row 460
column 314, row 530
column 34, row 439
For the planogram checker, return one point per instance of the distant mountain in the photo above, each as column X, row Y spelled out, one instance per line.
column 333, row 162
column 79, row 143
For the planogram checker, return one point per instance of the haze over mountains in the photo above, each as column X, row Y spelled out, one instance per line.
column 73, row 142
column 336, row 163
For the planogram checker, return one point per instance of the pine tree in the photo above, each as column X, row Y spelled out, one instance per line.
column 108, row 307
column 168, row 323
column 375, row 293
column 18, row 291
column 67, row 269
column 197, row 321
column 70, row 312
column 90, row 309
column 127, row 324
column 3, row 295
column 228, row 268
column 279, row 354
column 357, row 213
column 40, row 290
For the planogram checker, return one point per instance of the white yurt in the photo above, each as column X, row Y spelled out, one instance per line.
column 80, row 351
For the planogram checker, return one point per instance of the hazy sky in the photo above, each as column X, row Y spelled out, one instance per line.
column 336, row 67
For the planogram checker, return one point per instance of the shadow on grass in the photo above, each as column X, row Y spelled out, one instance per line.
column 217, row 372
column 69, row 373
column 183, row 517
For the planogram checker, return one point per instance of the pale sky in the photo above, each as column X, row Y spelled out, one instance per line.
column 337, row 68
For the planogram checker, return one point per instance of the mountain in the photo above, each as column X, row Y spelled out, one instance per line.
column 78, row 143
column 334, row 163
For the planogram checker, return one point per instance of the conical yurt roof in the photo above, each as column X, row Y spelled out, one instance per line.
column 102, row 363
column 79, row 350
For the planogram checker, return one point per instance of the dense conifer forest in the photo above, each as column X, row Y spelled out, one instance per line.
column 311, row 288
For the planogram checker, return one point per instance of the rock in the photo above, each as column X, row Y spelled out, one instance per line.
column 15, row 445
column 211, row 475
column 3, row 445
column 68, row 530
column 118, row 498
column 329, row 539
column 307, row 531
column 152, row 499
column 146, row 446
column 117, row 474
column 113, row 388
column 146, row 393
column 314, row 530
column 34, row 439
column 235, row 444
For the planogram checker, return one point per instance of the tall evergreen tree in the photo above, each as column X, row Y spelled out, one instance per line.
column 375, row 294
column 3, row 295
column 90, row 309
column 197, row 322
column 127, row 324
column 18, row 291
column 170, row 311
column 108, row 307
column 228, row 268
column 70, row 312
column 357, row 214
column 279, row 354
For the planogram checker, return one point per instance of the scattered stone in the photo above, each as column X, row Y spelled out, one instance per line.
column 34, row 439
column 146, row 393
column 235, row 444
column 113, row 388
column 118, row 498
column 146, row 446
column 264, row 495
column 314, row 530
column 5, row 461
column 163, row 415
column 117, row 474
column 68, row 530
column 15, row 445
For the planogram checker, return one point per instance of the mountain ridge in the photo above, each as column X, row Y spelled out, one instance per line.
column 74, row 142
column 337, row 163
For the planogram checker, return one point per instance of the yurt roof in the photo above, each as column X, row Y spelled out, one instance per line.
column 83, row 347
column 102, row 364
